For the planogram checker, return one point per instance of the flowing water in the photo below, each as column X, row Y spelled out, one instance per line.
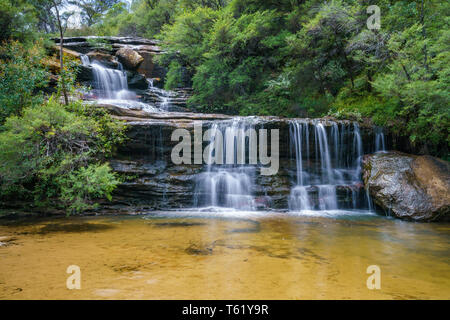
column 111, row 87
column 380, row 140
column 163, row 97
column 233, row 255
column 328, row 163
column 228, row 178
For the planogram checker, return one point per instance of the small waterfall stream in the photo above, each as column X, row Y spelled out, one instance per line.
column 227, row 180
column 380, row 140
column 162, row 96
column 111, row 87
column 328, row 167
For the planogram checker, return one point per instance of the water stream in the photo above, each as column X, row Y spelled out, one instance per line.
column 228, row 178
column 328, row 162
column 111, row 87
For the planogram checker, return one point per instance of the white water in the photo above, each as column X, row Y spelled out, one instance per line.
column 328, row 167
column 85, row 60
column 380, row 144
column 227, row 185
column 111, row 87
column 162, row 95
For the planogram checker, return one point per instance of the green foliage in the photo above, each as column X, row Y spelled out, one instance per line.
column 21, row 74
column 242, row 55
column 418, row 81
column 187, row 35
column 174, row 76
column 116, row 21
column 43, row 153
column 80, row 187
column 91, row 11
column 16, row 20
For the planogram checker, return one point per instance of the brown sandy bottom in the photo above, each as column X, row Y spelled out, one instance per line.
column 273, row 257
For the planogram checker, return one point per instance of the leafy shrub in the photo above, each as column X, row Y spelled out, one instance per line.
column 43, row 153
column 80, row 187
column 174, row 77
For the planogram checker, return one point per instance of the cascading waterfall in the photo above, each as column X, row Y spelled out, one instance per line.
column 162, row 95
column 380, row 144
column 328, row 167
column 227, row 185
column 85, row 60
column 111, row 86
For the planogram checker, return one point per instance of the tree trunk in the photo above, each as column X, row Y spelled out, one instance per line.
column 61, row 55
column 424, row 33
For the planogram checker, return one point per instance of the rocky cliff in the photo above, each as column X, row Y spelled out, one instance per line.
column 157, row 183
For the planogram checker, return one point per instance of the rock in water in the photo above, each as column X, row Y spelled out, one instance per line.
column 407, row 186
column 129, row 58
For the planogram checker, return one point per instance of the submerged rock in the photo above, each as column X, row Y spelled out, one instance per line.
column 407, row 186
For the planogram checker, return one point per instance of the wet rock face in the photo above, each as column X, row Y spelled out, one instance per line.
column 155, row 182
column 136, row 81
column 407, row 186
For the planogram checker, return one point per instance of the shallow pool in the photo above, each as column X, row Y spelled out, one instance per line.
column 224, row 255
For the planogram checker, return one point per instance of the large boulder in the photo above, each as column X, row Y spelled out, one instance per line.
column 129, row 58
column 407, row 186
column 85, row 74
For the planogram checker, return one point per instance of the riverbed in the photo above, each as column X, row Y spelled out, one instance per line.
column 224, row 255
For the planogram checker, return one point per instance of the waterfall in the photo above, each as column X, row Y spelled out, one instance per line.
column 162, row 95
column 85, row 60
column 380, row 144
column 110, row 83
column 225, row 184
column 111, row 86
column 330, row 177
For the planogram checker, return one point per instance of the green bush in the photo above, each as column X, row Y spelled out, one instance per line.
column 48, row 151
column 80, row 187
column 174, row 77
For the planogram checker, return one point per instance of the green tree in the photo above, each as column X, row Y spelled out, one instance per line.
column 93, row 10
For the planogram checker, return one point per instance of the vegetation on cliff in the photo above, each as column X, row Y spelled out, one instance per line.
column 52, row 155
column 306, row 58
